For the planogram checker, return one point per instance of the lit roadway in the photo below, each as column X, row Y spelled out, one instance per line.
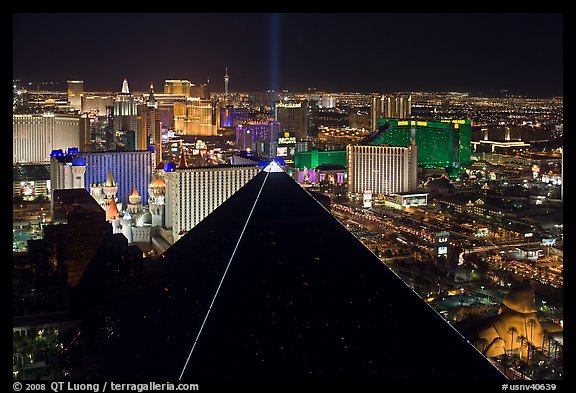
column 420, row 224
column 497, row 247
column 397, row 222
column 353, row 215
column 402, row 222
column 407, row 222
column 545, row 270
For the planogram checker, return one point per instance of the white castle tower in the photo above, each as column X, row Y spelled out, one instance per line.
column 110, row 189
column 97, row 193
column 105, row 193
column 113, row 216
column 134, row 205
column 78, row 172
column 126, row 224
column 157, row 192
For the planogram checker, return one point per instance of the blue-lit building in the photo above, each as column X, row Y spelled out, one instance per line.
column 259, row 138
column 129, row 169
column 66, row 170
column 230, row 116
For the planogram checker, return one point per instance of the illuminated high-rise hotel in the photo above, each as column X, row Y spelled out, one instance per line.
column 96, row 103
column 75, row 93
column 193, row 193
column 177, row 86
column 260, row 138
column 200, row 91
column 149, row 127
column 292, row 118
column 441, row 144
column 383, row 170
column 174, row 91
column 125, row 111
column 194, row 117
column 390, row 106
column 34, row 136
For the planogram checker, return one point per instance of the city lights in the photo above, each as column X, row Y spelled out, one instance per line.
column 303, row 215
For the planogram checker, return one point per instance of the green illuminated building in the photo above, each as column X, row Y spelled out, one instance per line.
column 441, row 144
column 311, row 159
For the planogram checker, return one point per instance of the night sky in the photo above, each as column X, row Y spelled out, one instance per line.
column 360, row 52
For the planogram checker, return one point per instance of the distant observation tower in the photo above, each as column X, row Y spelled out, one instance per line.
column 226, row 79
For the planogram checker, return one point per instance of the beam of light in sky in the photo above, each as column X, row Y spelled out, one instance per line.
column 274, row 50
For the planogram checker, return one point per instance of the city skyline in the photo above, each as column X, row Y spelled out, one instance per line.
column 474, row 52
column 292, row 196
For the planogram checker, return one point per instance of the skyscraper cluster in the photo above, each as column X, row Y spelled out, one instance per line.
column 124, row 199
column 397, row 106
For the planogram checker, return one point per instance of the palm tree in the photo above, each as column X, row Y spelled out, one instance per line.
column 521, row 339
column 512, row 331
column 549, row 344
column 530, row 347
column 544, row 335
column 531, row 324
column 557, row 346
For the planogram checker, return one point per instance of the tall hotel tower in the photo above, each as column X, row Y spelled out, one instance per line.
column 177, row 86
column 34, row 136
column 149, row 127
column 125, row 111
column 292, row 118
column 75, row 94
column 390, row 107
column 383, row 170
column 193, row 193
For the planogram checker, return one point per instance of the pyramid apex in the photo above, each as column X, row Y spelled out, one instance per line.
column 273, row 167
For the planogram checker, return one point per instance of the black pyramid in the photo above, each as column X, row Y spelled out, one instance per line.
column 270, row 286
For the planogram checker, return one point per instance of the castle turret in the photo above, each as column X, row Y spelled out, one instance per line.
column 110, row 186
column 113, row 217
column 157, row 192
column 112, row 212
column 134, row 205
column 126, row 223
column 78, row 170
column 110, row 189
column 97, row 193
